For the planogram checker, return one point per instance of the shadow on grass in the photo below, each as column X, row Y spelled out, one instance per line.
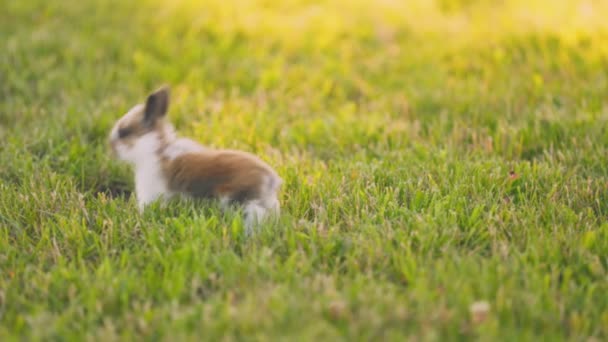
column 114, row 189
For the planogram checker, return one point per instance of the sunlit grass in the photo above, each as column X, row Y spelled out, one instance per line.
column 436, row 154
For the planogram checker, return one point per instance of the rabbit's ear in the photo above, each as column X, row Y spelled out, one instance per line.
column 156, row 105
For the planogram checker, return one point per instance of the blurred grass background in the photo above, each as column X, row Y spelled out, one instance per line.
column 436, row 153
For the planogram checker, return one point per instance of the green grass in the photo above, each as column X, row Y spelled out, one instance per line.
column 434, row 156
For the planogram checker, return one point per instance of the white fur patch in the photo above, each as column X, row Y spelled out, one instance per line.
column 142, row 152
column 224, row 202
column 268, row 198
column 254, row 214
column 150, row 184
column 182, row 146
column 259, row 211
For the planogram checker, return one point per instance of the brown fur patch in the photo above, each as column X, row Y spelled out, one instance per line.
column 218, row 173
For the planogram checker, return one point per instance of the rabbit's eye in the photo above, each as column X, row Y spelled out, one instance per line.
column 124, row 132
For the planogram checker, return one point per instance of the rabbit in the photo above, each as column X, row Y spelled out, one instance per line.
column 166, row 165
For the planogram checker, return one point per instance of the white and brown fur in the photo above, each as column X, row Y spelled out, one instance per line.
column 166, row 166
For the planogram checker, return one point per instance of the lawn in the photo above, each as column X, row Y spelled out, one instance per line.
column 438, row 156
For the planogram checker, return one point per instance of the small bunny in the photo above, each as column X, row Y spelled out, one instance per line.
column 166, row 165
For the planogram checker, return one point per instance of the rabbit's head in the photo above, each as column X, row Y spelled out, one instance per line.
column 142, row 132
